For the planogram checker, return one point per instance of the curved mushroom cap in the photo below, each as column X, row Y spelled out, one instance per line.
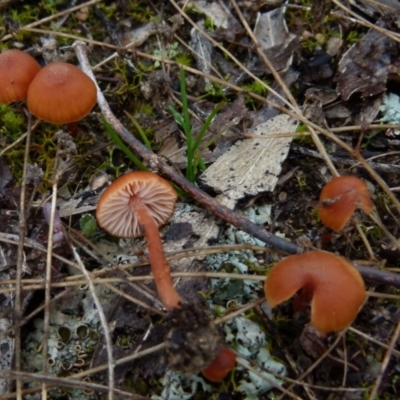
column 339, row 199
column 114, row 211
column 17, row 70
column 338, row 290
column 61, row 93
column 221, row 366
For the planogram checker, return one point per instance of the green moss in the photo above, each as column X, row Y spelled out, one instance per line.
column 315, row 215
column 256, row 88
column 215, row 92
column 50, row 6
column 139, row 108
column 301, row 181
column 110, row 10
column 373, row 232
column 140, row 10
column 254, row 267
column 130, row 81
column 184, row 59
column 25, row 15
column 209, row 24
column 12, row 123
column 353, row 37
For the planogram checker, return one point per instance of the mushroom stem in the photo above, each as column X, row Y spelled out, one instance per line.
column 159, row 264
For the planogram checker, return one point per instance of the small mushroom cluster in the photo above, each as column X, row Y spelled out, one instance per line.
column 140, row 202
column 59, row 93
column 334, row 287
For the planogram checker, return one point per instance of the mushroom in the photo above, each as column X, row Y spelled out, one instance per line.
column 221, row 366
column 340, row 198
column 139, row 201
column 61, row 94
column 142, row 201
column 17, row 70
column 336, row 288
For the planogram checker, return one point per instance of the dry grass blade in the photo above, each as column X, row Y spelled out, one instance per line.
column 106, row 331
column 21, row 256
column 287, row 392
column 48, row 288
column 371, row 339
column 385, row 362
column 317, row 362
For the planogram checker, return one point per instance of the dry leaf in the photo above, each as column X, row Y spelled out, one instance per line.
column 251, row 166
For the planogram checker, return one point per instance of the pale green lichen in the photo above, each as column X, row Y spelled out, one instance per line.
column 390, row 109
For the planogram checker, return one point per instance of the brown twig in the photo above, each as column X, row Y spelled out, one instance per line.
column 232, row 217
column 21, row 256
column 161, row 165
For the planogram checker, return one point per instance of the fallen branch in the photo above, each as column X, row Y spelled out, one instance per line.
column 160, row 165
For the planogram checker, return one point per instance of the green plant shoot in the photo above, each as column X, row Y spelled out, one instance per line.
column 194, row 160
column 116, row 139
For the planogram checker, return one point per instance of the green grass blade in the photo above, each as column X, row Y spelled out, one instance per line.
column 185, row 107
column 140, row 130
column 207, row 124
column 116, row 139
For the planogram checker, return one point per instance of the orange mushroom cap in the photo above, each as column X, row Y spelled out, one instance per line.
column 115, row 213
column 339, row 199
column 17, row 70
column 338, row 290
column 61, row 93
column 221, row 366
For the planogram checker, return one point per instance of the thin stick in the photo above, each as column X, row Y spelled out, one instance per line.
column 371, row 339
column 371, row 274
column 245, row 364
column 364, row 22
column 46, row 322
column 264, row 57
column 317, row 362
column 104, row 324
column 385, row 362
column 21, row 256
column 20, row 139
column 69, row 383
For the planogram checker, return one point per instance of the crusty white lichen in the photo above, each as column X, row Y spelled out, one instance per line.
column 71, row 340
column 390, row 109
